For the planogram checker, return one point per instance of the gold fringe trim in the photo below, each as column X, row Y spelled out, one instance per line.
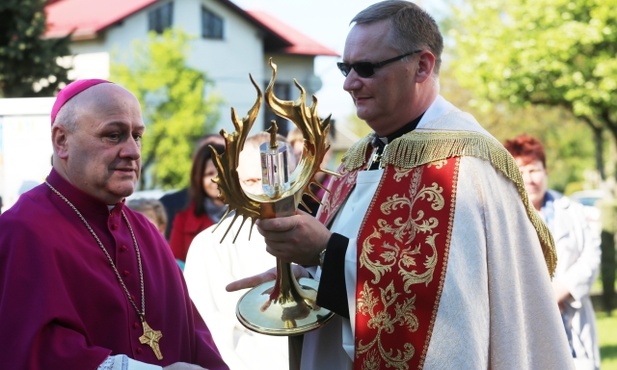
column 418, row 148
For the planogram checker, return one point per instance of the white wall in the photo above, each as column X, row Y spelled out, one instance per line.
column 25, row 145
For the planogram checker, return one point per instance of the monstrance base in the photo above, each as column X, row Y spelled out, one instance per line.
column 258, row 313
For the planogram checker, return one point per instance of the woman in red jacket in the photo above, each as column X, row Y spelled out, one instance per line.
column 204, row 208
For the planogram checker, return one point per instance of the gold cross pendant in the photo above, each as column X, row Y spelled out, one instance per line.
column 377, row 158
column 374, row 159
column 151, row 337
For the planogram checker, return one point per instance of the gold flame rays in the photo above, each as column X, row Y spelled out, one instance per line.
column 314, row 131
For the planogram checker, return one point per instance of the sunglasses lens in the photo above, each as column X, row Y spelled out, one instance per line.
column 364, row 69
column 344, row 68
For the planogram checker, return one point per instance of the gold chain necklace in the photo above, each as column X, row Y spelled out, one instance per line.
column 150, row 337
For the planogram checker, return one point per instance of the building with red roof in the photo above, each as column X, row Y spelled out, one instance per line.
column 230, row 43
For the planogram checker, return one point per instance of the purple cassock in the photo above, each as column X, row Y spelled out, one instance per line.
column 61, row 304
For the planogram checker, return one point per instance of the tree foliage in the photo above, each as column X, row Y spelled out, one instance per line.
column 28, row 62
column 557, row 53
column 175, row 110
column 568, row 144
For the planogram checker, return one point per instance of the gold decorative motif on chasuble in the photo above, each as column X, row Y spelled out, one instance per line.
column 404, row 239
column 402, row 261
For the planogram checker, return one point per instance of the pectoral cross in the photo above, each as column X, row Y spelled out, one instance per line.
column 378, row 150
column 151, row 337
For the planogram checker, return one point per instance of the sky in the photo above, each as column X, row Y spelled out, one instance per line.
column 326, row 21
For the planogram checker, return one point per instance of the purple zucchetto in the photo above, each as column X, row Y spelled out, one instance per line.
column 70, row 91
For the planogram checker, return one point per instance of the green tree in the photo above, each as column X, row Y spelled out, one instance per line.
column 557, row 53
column 175, row 110
column 568, row 144
column 28, row 62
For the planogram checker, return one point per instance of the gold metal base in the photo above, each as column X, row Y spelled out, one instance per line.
column 290, row 312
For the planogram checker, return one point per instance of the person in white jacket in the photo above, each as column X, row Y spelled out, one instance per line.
column 578, row 250
column 213, row 261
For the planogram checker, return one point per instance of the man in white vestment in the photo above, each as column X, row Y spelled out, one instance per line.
column 426, row 247
column 213, row 261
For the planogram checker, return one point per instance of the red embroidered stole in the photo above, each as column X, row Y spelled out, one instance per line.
column 339, row 189
column 403, row 248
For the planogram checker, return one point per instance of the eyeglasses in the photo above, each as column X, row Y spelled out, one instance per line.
column 367, row 69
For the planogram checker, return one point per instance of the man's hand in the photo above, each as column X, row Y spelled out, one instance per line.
column 253, row 281
column 298, row 238
column 562, row 294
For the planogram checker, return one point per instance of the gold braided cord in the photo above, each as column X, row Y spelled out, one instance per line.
column 419, row 147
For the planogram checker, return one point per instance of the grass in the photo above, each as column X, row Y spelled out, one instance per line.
column 607, row 337
column 607, row 328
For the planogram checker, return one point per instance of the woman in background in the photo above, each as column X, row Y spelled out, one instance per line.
column 204, row 208
column 578, row 250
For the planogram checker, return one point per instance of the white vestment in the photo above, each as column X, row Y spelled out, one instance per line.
column 210, row 266
column 497, row 309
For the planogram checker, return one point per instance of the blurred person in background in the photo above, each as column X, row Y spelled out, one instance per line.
column 153, row 209
column 212, row 262
column 176, row 201
column 296, row 142
column 204, row 208
column 578, row 250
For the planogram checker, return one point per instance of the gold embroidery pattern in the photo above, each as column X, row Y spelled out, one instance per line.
column 379, row 320
column 405, row 231
column 372, row 361
column 337, row 191
column 375, row 305
column 401, row 173
column 438, row 164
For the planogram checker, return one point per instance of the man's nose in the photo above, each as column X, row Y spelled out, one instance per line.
column 352, row 82
column 527, row 178
column 132, row 149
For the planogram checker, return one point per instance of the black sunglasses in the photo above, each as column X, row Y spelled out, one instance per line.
column 367, row 69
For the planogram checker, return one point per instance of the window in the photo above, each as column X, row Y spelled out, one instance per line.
column 211, row 25
column 160, row 19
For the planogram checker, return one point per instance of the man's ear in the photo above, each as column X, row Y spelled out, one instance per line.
column 60, row 141
column 426, row 64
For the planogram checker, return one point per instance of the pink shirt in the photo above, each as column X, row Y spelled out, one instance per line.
column 61, row 305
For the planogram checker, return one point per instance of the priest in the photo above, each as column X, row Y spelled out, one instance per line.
column 426, row 246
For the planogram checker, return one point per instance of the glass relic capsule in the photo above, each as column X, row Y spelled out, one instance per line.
column 274, row 167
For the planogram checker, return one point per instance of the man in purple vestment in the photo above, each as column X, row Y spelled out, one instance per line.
column 86, row 282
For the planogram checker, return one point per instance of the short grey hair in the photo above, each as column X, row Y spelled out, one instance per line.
column 412, row 27
column 67, row 116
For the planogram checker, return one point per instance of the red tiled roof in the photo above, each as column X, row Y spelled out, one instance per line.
column 88, row 17
column 299, row 43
